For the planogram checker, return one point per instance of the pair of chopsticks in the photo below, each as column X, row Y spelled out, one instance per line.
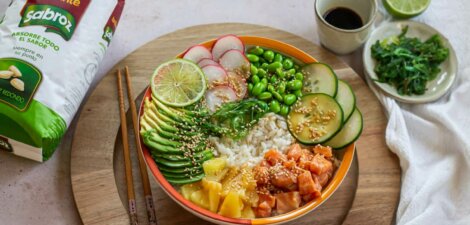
column 127, row 158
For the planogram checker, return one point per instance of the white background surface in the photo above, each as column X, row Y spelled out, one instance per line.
column 32, row 193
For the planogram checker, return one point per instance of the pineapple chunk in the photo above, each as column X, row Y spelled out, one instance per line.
column 248, row 213
column 200, row 198
column 232, row 205
column 214, row 166
column 188, row 189
column 250, row 197
column 213, row 189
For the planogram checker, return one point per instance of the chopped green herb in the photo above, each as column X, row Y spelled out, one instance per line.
column 408, row 63
column 234, row 119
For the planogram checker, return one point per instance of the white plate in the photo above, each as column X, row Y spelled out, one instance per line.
column 435, row 88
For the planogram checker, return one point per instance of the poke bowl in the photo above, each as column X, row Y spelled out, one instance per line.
column 233, row 145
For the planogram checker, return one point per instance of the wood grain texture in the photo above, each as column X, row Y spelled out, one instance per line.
column 97, row 170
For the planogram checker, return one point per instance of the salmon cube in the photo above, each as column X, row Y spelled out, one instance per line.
column 288, row 201
column 294, row 152
column 321, row 165
column 271, row 200
column 324, row 150
column 261, row 175
column 316, row 190
column 284, row 178
column 263, row 210
column 274, row 157
column 306, row 184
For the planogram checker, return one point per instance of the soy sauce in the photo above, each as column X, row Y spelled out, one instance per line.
column 343, row 18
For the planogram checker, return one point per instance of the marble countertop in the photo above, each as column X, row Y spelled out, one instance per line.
column 33, row 193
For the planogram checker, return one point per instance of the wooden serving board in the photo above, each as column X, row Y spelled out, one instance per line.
column 369, row 194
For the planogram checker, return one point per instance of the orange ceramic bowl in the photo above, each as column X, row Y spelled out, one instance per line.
column 345, row 155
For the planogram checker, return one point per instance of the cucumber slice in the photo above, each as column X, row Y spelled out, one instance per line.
column 319, row 78
column 346, row 99
column 315, row 118
column 350, row 132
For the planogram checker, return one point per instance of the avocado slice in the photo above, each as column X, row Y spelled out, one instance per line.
column 200, row 158
column 180, row 175
column 194, row 169
column 181, row 181
column 161, row 140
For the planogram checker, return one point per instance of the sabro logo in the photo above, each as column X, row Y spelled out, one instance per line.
column 48, row 14
column 54, row 18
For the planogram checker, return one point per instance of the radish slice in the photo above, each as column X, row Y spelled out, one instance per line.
column 226, row 43
column 238, row 84
column 219, row 95
column 236, row 61
column 196, row 53
column 215, row 75
column 206, row 62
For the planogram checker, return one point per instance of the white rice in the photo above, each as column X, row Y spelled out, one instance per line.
column 270, row 133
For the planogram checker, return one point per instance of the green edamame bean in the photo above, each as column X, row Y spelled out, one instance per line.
column 261, row 72
column 299, row 76
column 287, row 64
column 298, row 93
column 265, row 82
column 250, row 87
column 262, row 60
column 258, row 88
column 256, row 50
column 278, row 58
column 278, row 96
column 255, row 79
column 265, row 96
column 274, row 106
column 296, row 67
column 282, row 88
column 280, row 73
column 274, row 66
column 291, row 71
column 252, row 58
column 284, row 110
column 270, row 88
column 294, row 85
column 264, row 66
column 290, row 99
column 256, row 64
column 253, row 70
column 268, row 55
column 273, row 79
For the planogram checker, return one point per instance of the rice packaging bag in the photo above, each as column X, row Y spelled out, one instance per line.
column 49, row 54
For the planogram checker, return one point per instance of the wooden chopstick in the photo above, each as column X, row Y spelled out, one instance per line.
column 143, row 168
column 127, row 157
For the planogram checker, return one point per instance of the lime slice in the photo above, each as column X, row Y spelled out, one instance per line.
column 406, row 8
column 178, row 83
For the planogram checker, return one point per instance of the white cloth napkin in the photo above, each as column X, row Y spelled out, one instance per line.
column 433, row 140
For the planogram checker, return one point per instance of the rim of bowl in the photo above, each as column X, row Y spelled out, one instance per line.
column 332, row 186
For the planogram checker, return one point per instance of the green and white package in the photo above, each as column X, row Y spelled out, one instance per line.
column 49, row 55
